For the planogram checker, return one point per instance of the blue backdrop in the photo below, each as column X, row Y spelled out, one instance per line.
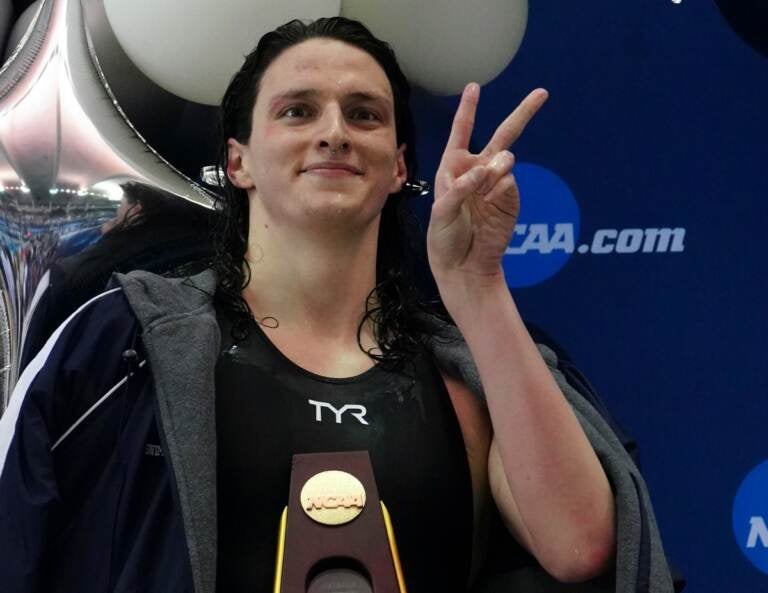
column 651, row 153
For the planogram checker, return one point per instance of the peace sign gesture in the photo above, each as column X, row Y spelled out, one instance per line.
column 476, row 198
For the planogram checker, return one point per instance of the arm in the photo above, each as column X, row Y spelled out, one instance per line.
column 546, row 479
column 544, row 476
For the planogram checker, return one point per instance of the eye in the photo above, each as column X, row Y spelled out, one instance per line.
column 364, row 114
column 295, row 112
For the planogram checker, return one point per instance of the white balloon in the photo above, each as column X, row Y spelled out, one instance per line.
column 193, row 47
column 444, row 44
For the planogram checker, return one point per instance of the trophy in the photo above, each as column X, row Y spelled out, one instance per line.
column 335, row 534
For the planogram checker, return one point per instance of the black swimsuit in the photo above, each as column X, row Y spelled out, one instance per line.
column 268, row 408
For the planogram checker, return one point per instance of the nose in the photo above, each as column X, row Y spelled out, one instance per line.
column 334, row 134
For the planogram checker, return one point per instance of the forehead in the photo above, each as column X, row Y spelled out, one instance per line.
column 324, row 64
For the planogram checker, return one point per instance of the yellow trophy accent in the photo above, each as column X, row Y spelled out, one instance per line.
column 280, row 551
column 393, row 547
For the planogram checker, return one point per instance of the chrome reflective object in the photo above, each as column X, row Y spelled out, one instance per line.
column 67, row 150
column 212, row 175
column 417, row 186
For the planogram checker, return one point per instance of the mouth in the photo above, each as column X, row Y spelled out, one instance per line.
column 332, row 169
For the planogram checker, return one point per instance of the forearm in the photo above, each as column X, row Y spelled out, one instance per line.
column 563, row 497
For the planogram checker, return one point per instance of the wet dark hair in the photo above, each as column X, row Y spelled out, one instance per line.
column 147, row 204
column 395, row 305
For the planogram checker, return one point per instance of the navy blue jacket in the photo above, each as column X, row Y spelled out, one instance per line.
column 86, row 501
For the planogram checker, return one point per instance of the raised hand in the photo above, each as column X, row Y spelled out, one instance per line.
column 476, row 198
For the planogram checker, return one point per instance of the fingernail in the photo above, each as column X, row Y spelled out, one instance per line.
column 504, row 158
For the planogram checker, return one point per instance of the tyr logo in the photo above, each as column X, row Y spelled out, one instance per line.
column 356, row 410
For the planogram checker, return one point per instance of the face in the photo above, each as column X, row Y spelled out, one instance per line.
column 323, row 145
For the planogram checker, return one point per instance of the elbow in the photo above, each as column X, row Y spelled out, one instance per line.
column 584, row 561
column 584, row 566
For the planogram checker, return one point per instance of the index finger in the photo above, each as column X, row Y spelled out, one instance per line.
column 512, row 127
column 464, row 120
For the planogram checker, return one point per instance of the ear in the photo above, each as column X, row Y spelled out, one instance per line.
column 237, row 167
column 400, row 171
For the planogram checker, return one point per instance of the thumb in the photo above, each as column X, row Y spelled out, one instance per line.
column 449, row 205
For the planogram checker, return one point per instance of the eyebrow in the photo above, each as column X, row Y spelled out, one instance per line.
column 294, row 94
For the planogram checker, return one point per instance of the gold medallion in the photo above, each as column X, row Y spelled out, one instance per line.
column 333, row 497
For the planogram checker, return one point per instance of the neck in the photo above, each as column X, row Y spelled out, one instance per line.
column 312, row 282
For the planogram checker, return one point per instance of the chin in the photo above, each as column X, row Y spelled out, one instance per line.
column 340, row 209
